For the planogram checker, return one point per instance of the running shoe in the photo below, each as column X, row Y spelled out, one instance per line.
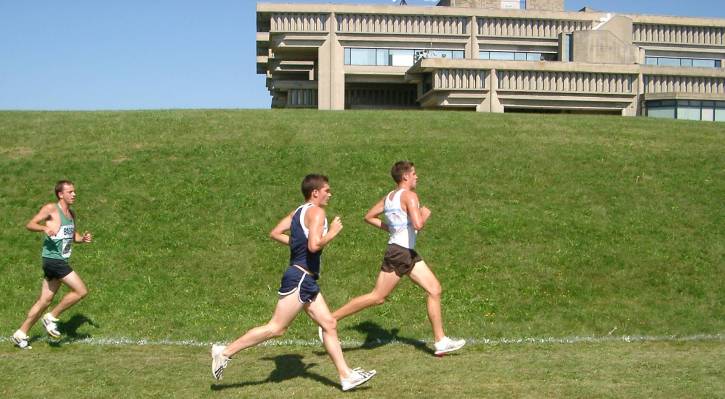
column 218, row 361
column 446, row 345
column 20, row 339
column 49, row 322
column 356, row 378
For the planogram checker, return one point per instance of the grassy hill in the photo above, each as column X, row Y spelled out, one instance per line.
column 542, row 225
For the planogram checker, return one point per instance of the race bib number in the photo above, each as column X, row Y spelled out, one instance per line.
column 65, row 235
column 66, row 248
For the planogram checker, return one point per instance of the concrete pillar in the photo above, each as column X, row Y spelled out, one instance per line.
column 632, row 109
column 331, row 72
column 491, row 102
column 472, row 47
column 638, row 106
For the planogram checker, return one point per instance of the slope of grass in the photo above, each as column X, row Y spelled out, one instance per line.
column 542, row 225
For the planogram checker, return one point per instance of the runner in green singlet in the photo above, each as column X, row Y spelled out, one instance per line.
column 57, row 221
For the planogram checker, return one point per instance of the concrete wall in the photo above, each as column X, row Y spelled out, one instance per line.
column 610, row 43
column 603, row 47
column 620, row 26
column 547, row 5
column 487, row 4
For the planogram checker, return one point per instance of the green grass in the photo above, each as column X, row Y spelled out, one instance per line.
column 660, row 370
column 542, row 225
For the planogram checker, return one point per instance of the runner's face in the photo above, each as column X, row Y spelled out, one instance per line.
column 324, row 194
column 412, row 177
column 68, row 194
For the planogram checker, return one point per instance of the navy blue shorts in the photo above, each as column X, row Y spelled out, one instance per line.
column 295, row 280
column 55, row 268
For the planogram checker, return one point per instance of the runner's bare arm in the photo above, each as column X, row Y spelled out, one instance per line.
column 316, row 220
column 278, row 232
column 418, row 215
column 41, row 217
column 373, row 215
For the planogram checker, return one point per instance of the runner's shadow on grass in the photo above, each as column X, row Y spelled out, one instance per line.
column 69, row 329
column 376, row 336
column 287, row 367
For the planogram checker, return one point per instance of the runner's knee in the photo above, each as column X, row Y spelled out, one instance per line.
column 435, row 291
column 82, row 293
column 276, row 330
column 378, row 299
column 328, row 324
column 44, row 301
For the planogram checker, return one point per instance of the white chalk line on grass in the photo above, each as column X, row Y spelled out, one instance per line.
column 379, row 342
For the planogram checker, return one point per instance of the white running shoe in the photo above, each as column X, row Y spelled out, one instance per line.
column 20, row 339
column 356, row 378
column 49, row 322
column 218, row 361
column 446, row 345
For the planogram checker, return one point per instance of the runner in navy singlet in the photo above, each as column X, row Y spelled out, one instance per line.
column 308, row 235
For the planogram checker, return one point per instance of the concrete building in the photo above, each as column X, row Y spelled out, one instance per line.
column 491, row 56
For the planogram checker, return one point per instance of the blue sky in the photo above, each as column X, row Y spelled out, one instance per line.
column 88, row 55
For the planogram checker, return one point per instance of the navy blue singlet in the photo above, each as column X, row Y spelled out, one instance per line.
column 299, row 253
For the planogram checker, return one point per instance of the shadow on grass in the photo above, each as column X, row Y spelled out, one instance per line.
column 69, row 329
column 376, row 336
column 287, row 367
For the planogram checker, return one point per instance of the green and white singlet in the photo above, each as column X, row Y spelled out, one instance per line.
column 59, row 245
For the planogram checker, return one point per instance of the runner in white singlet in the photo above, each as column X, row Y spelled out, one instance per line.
column 404, row 217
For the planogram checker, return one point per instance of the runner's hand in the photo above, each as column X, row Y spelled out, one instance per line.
column 424, row 212
column 336, row 225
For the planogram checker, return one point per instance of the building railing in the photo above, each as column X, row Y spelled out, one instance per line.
column 527, row 27
column 679, row 34
column 402, row 24
column 460, row 79
column 298, row 22
column 571, row 82
column 684, row 84
column 302, row 98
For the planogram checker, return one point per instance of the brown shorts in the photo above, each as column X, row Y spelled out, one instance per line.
column 399, row 260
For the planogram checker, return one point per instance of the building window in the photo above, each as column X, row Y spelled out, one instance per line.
column 516, row 56
column 401, row 58
column 513, row 4
column 452, row 54
column 687, row 109
column 363, row 56
column 720, row 112
column 502, row 55
column 683, row 62
column 708, row 111
column 395, row 57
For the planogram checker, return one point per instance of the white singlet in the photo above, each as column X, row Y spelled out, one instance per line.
column 401, row 230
